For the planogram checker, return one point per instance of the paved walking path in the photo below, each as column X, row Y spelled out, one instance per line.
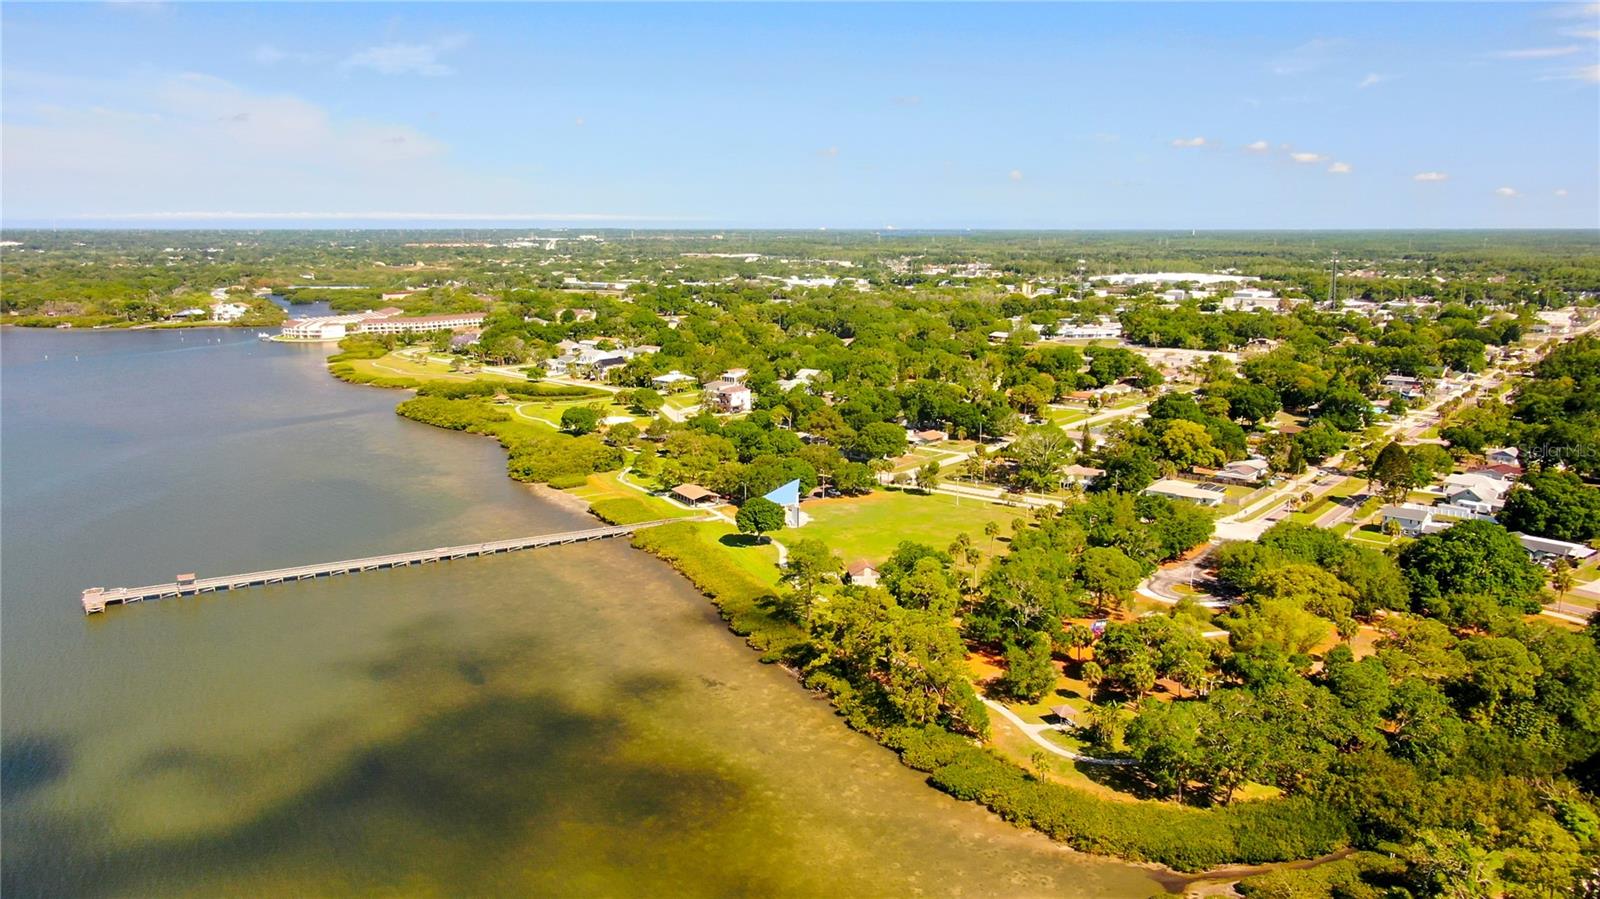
column 1035, row 733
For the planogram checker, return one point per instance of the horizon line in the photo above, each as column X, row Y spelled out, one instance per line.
column 659, row 224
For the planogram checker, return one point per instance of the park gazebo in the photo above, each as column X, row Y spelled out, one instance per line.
column 1065, row 714
column 692, row 494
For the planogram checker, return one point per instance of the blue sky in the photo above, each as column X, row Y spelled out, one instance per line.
column 1029, row 116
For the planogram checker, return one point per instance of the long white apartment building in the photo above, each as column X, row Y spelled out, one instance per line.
column 382, row 321
column 399, row 324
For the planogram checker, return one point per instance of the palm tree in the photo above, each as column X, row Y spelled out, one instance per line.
column 1561, row 581
column 1079, row 637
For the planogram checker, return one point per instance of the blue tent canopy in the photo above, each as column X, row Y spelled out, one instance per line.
column 787, row 495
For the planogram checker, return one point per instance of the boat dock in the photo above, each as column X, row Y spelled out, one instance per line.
column 95, row 599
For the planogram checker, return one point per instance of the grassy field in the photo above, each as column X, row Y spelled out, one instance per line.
column 548, row 412
column 922, row 455
column 872, row 526
column 620, row 504
column 394, row 365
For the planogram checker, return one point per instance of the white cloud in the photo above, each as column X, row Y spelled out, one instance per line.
column 1340, row 168
column 579, row 121
column 1539, row 52
column 1575, row 11
column 1561, row 191
column 406, row 59
column 196, row 141
column 907, row 100
column 1189, row 142
column 1106, row 137
column 1309, row 56
column 1430, row 176
column 1307, row 158
column 272, row 54
column 1372, row 80
column 828, row 152
column 1259, row 146
column 1506, row 192
column 1590, row 74
column 1015, row 175
column 1591, row 34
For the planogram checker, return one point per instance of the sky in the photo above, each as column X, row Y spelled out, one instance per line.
column 1083, row 116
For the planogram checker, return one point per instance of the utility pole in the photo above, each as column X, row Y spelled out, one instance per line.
column 1333, row 285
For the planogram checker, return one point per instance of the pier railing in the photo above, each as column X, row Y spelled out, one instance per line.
column 95, row 599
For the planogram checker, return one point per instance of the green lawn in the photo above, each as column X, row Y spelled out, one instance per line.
column 758, row 560
column 872, row 526
column 920, row 456
column 394, row 365
column 622, row 504
column 548, row 412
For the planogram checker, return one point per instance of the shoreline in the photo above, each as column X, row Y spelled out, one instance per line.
column 1220, row 877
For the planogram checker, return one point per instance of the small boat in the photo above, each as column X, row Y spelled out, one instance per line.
column 262, row 335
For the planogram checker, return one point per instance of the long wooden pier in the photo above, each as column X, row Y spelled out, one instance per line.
column 95, row 599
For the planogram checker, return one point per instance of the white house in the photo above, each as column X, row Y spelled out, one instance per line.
column 801, row 377
column 862, row 573
column 1480, row 493
column 228, row 312
column 1415, row 520
column 1546, row 551
column 672, row 379
column 1209, row 495
column 728, row 396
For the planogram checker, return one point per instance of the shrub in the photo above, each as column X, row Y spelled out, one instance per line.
column 1185, row 838
column 736, row 594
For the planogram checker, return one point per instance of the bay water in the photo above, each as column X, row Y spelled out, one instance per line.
column 565, row 721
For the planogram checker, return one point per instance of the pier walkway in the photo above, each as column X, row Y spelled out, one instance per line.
column 95, row 599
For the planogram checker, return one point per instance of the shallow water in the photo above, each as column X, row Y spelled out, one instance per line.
column 572, row 720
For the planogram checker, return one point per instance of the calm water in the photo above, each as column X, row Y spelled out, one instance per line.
column 571, row 720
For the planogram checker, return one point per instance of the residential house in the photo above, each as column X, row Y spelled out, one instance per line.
column 1245, row 471
column 1504, row 455
column 1481, row 493
column 1414, row 520
column 801, row 377
column 1547, row 552
column 1408, row 387
column 672, row 380
column 1209, row 495
column 228, row 312
column 1080, row 474
column 728, row 397
column 862, row 573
